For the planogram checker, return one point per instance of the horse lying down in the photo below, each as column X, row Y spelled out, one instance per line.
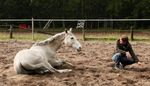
column 41, row 57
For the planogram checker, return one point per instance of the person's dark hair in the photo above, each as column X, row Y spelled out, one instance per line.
column 124, row 38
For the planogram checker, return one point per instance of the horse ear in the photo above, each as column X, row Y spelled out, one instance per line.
column 66, row 31
column 70, row 30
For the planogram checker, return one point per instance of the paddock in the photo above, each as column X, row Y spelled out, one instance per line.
column 93, row 66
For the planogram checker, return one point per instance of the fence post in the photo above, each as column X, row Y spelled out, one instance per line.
column 10, row 32
column 131, row 30
column 32, row 29
column 80, row 24
column 83, row 32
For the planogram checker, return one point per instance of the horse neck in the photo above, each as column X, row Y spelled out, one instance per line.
column 57, row 43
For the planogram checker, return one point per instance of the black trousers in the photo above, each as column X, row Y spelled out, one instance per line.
column 125, row 61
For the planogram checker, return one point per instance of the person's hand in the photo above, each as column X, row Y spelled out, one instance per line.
column 139, row 63
column 128, row 55
column 136, row 60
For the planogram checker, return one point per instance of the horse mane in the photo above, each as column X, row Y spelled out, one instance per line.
column 49, row 40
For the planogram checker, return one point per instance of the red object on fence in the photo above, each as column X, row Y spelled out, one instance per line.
column 23, row 26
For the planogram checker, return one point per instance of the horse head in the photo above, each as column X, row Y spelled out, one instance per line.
column 71, row 40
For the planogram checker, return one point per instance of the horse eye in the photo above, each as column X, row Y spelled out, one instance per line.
column 72, row 38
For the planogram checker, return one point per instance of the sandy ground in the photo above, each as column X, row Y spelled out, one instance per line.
column 93, row 67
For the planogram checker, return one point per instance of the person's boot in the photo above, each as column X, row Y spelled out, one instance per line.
column 118, row 66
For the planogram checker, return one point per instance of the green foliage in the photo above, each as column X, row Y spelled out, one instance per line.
column 75, row 8
column 142, row 9
column 22, row 36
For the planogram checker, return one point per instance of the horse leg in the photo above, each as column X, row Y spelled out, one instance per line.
column 40, row 68
column 44, row 67
column 50, row 68
column 62, row 64
column 68, row 64
column 64, row 70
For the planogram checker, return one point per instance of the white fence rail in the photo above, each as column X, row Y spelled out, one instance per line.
column 87, row 23
column 75, row 19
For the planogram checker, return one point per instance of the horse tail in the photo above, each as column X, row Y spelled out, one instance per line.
column 20, row 69
column 25, row 70
column 17, row 68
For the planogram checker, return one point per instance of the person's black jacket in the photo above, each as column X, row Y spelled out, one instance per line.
column 125, row 48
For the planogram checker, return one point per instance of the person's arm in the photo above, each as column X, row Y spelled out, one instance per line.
column 118, row 50
column 128, row 55
column 133, row 54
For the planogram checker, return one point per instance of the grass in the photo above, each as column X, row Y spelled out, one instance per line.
column 22, row 36
column 89, row 36
column 115, row 36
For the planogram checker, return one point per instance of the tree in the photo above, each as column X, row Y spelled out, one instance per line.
column 113, row 8
column 142, row 9
column 75, row 8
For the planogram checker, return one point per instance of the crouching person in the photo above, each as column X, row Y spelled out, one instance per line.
column 124, row 54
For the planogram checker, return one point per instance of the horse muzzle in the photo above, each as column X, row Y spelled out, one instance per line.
column 79, row 49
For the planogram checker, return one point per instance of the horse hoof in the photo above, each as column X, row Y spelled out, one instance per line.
column 64, row 70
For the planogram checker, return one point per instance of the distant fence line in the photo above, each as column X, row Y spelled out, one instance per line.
column 90, row 24
column 75, row 19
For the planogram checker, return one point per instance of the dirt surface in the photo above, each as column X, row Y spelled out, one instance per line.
column 93, row 67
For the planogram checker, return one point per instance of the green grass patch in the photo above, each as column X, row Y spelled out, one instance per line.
column 114, row 37
column 22, row 36
column 88, row 36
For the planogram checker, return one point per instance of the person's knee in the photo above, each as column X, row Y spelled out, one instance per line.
column 116, row 56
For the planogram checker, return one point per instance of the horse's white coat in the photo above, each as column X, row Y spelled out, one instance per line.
column 41, row 57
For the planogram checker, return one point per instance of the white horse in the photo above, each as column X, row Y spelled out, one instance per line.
column 41, row 57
